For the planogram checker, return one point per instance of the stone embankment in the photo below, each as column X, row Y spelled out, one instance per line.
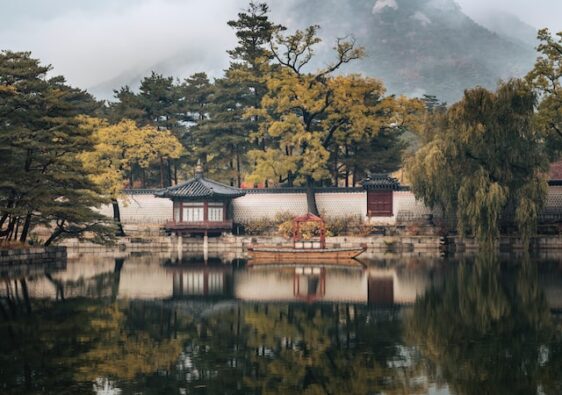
column 33, row 255
column 455, row 244
column 230, row 244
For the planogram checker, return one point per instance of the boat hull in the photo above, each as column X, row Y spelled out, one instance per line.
column 290, row 255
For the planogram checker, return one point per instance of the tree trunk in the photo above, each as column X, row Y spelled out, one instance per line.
column 10, row 229
column 116, row 277
column 238, row 175
column 175, row 172
column 26, row 227
column 336, row 167
column 231, row 168
column 117, row 218
column 55, row 235
column 161, row 172
column 169, row 168
column 311, row 196
column 346, row 165
column 17, row 229
column 25, row 293
column 290, row 178
column 131, row 181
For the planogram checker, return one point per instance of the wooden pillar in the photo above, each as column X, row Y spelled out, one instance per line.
column 179, row 247
column 205, row 247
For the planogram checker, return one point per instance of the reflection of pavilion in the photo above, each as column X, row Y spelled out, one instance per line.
column 309, row 284
column 150, row 278
column 200, row 280
column 373, row 286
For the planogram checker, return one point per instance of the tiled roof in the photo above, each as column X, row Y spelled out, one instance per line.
column 381, row 182
column 303, row 190
column 199, row 187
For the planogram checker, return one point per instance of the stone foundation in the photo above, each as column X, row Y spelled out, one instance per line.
column 457, row 244
column 236, row 246
column 34, row 255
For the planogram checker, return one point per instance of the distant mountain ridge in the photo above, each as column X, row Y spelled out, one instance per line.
column 415, row 46
column 420, row 46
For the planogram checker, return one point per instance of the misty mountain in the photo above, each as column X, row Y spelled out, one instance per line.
column 507, row 25
column 414, row 46
column 420, row 46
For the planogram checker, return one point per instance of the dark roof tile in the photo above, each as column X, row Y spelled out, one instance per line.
column 198, row 188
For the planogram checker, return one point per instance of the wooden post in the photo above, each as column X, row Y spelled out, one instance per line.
column 179, row 246
column 205, row 247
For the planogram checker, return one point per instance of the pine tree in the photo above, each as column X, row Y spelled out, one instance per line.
column 42, row 178
column 225, row 136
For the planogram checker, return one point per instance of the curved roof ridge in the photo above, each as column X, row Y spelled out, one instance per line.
column 200, row 187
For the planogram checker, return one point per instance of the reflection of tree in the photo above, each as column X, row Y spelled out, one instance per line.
column 327, row 349
column 286, row 349
column 486, row 331
column 117, row 353
column 70, row 343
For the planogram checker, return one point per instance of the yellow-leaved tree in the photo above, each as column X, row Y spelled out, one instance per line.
column 120, row 146
column 308, row 116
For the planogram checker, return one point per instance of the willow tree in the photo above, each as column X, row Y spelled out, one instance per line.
column 306, row 114
column 117, row 149
column 474, row 330
column 485, row 162
column 546, row 79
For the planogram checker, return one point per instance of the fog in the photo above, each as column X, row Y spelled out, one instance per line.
column 100, row 45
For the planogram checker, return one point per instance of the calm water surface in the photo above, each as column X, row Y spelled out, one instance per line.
column 147, row 324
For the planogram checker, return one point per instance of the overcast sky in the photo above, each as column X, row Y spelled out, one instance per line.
column 92, row 42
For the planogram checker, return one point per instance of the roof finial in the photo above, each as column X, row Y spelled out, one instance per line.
column 199, row 169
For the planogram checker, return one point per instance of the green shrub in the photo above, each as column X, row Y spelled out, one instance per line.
column 349, row 225
column 266, row 226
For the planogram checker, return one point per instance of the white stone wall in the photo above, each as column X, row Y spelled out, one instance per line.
column 554, row 200
column 142, row 209
column 147, row 209
column 407, row 206
column 265, row 205
column 342, row 204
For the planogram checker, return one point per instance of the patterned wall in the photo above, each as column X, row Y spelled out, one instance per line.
column 147, row 209
column 554, row 200
column 266, row 205
column 142, row 209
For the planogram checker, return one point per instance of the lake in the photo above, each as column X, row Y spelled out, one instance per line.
column 150, row 324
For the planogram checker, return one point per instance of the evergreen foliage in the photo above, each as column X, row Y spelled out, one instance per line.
column 42, row 180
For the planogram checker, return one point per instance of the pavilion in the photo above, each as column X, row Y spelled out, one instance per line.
column 200, row 206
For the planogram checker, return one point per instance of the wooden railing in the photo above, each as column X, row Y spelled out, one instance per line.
column 202, row 225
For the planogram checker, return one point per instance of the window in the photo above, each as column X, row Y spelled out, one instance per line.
column 215, row 214
column 193, row 214
column 379, row 203
column 176, row 212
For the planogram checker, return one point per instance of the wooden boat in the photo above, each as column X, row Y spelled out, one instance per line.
column 304, row 251
column 299, row 255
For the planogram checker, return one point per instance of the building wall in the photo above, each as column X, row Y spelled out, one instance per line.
column 142, row 209
column 147, row 209
column 266, row 205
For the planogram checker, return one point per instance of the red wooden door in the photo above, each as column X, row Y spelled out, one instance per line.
column 379, row 203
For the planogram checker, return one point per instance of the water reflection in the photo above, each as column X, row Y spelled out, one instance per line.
column 149, row 324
